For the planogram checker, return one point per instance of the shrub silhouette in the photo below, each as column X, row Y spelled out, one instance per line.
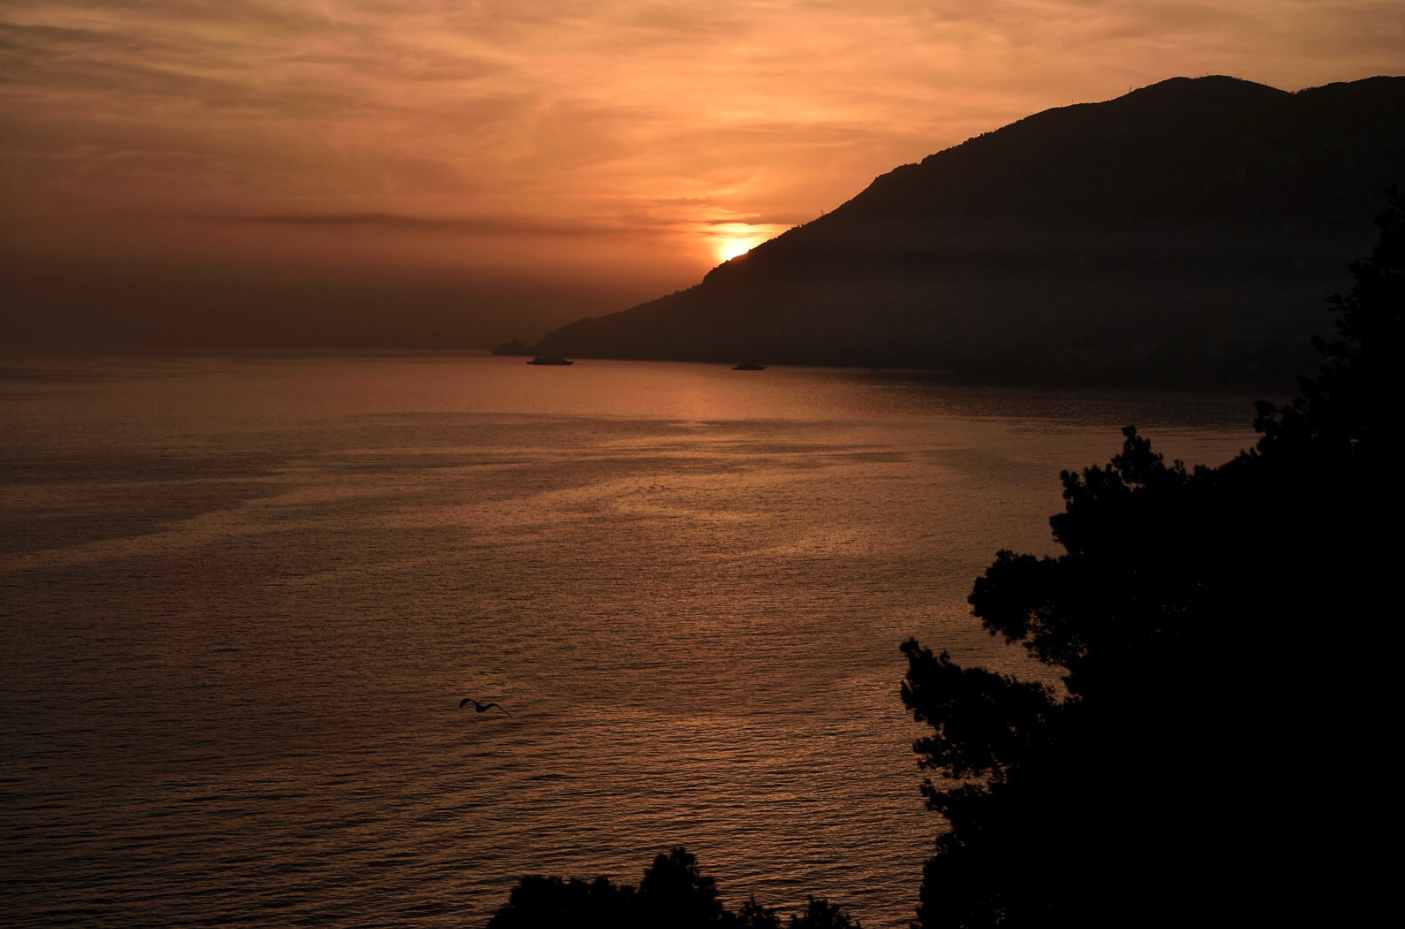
column 673, row 893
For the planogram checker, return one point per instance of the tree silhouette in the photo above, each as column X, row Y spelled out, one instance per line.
column 673, row 893
column 1212, row 629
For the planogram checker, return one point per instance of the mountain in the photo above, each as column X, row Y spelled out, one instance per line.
column 1186, row 233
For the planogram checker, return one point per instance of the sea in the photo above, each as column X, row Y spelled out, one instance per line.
column 243, row 595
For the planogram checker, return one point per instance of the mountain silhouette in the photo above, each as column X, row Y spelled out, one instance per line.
column 1185, row 233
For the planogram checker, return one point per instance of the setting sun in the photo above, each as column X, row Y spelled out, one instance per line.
column 731, row 239
column 469, row 172
column 727, row 249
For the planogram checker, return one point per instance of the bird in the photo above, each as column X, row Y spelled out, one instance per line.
column 481, row 707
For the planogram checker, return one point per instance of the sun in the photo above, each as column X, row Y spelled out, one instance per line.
column 730, row 239
column 730, row 248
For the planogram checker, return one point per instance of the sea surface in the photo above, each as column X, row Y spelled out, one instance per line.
column 241, row 597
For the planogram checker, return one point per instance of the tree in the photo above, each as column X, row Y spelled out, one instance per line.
column 673, row 893
column 1217, row 636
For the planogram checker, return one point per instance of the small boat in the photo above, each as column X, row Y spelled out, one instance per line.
column 550, row 360
column 748, row 366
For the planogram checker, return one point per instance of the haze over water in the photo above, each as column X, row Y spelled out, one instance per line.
column 242, row 596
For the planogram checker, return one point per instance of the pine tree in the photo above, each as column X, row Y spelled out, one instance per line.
column 1225, row 642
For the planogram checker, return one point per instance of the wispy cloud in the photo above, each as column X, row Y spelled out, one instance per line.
column 598, row 121
column 448, row 225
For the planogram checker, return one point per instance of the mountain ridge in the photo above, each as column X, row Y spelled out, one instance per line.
column 1185, row 233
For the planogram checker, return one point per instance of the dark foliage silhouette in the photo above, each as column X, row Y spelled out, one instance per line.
column 1218, row 635
column 673, row 893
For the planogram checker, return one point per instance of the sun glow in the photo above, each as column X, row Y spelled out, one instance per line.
column 727, row 249
column 732, row 239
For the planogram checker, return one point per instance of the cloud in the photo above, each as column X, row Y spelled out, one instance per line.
column 446, row 225
column 570, row 127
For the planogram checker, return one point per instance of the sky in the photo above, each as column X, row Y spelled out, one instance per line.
column 448, row 173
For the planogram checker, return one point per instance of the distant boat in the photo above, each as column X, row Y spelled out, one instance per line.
column 550, row 360
column 749, row 366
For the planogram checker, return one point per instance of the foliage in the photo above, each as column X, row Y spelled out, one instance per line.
column 1207, row 627
column 673, row 893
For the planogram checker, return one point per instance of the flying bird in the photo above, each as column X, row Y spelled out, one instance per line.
column 480, row 707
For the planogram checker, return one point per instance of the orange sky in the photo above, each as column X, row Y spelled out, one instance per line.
column 477, row 167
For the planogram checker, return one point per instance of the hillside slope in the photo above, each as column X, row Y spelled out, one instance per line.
column 1185, row 233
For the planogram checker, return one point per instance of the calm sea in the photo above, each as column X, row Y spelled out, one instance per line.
column 241, row 598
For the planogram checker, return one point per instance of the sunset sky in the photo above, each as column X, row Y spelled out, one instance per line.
column 456, row 171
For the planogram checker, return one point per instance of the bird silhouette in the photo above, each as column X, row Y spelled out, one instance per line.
column 480, row 707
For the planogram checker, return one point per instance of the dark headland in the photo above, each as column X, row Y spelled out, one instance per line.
column 1183, row 235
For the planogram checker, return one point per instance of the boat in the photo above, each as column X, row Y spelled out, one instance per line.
column 748, row 366
column 550, row 360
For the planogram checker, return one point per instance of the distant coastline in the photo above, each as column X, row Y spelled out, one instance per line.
column 1183, row 235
